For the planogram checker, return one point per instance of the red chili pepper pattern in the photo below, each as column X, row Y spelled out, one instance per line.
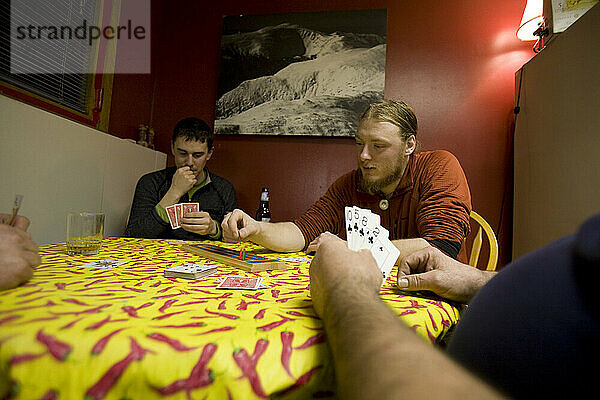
column 243, row 360
column 50, row 395
column 275, row 324
column 286, row 350
column 14, row 360
column 311, row 341
column 101, row 388
column 199, row 377
column 174, row 343
column 57, row 349
column 125, row 322
column 101, row 344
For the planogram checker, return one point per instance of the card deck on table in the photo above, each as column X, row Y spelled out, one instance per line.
column 190, row 271
column 240, row 282
column 103, row 264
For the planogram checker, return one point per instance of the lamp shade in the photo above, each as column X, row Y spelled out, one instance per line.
column 532, row 16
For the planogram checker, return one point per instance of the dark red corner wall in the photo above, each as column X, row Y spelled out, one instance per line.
column 453, row 61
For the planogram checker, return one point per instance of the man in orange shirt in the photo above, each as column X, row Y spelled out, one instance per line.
column 421, row 198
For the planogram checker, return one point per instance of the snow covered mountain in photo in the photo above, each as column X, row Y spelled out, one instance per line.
column 288, row 80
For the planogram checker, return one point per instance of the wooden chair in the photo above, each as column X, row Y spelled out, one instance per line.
column 482, row 227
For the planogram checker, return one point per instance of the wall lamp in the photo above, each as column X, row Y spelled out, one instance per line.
column 533, row 25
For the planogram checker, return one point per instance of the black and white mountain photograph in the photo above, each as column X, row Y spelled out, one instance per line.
column 304, row 74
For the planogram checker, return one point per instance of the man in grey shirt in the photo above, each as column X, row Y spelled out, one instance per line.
column 188, row 182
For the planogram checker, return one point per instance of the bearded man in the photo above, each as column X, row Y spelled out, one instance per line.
column 422, row 198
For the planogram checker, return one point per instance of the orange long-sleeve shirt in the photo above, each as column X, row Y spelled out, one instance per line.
column 432, row 202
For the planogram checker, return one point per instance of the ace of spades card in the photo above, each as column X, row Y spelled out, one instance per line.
column 385, row 254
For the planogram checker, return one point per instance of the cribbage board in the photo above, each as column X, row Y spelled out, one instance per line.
column 251, row 262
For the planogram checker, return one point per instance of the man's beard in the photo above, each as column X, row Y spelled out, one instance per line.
column 376, row 186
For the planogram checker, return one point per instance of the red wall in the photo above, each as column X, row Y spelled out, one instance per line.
column 453, row 61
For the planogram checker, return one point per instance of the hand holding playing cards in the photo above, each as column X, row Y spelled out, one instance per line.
column 20, row 221
column 430, row 269
column 314, row 245
column 237, row 225
column 199, row 222
column 336, row 273
column 18, row 256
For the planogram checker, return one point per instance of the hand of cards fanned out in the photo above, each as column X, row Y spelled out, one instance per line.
column 177, row 211
column 363, row 231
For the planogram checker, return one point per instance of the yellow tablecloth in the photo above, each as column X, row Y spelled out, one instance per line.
column 128, row 332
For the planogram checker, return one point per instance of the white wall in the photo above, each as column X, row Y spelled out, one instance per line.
column 60, row 166
column 557, row 138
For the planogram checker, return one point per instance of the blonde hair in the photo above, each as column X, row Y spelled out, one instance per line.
column 395, row 112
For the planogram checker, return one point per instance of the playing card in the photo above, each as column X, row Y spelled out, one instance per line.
column 172, row 216
column 348, row 219
column 190, row 271
column 375, row 233
column 363, row 219
column 179, row 214
column 369, row 222
column 385, row 254
column 240, row 282
column 190, row 207
column 103, row 264
column 172, row 241
column 355, row 219
column 262, row 285
column 294, row 259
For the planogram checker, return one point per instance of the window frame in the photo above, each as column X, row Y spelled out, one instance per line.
column 98, row 86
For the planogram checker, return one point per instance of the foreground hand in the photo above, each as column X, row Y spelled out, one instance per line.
column 183, row 180
column 238, row 224
column 20, row 221
column 314, row 245
column 337, row 271
column 430, row 269
column 18, row 256
column 199, row 222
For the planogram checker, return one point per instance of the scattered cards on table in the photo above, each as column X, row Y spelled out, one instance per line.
column 175, row 241
column 363, row 231
column 241, row 282
column 190, row 271
column 177, row 211
column 103, row 264
column 294, row 259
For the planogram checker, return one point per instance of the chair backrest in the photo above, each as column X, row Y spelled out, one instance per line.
column 482, row 227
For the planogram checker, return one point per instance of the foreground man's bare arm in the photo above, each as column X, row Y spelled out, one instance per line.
column 375, row 355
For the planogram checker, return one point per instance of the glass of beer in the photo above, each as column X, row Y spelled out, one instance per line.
column 84, row 233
